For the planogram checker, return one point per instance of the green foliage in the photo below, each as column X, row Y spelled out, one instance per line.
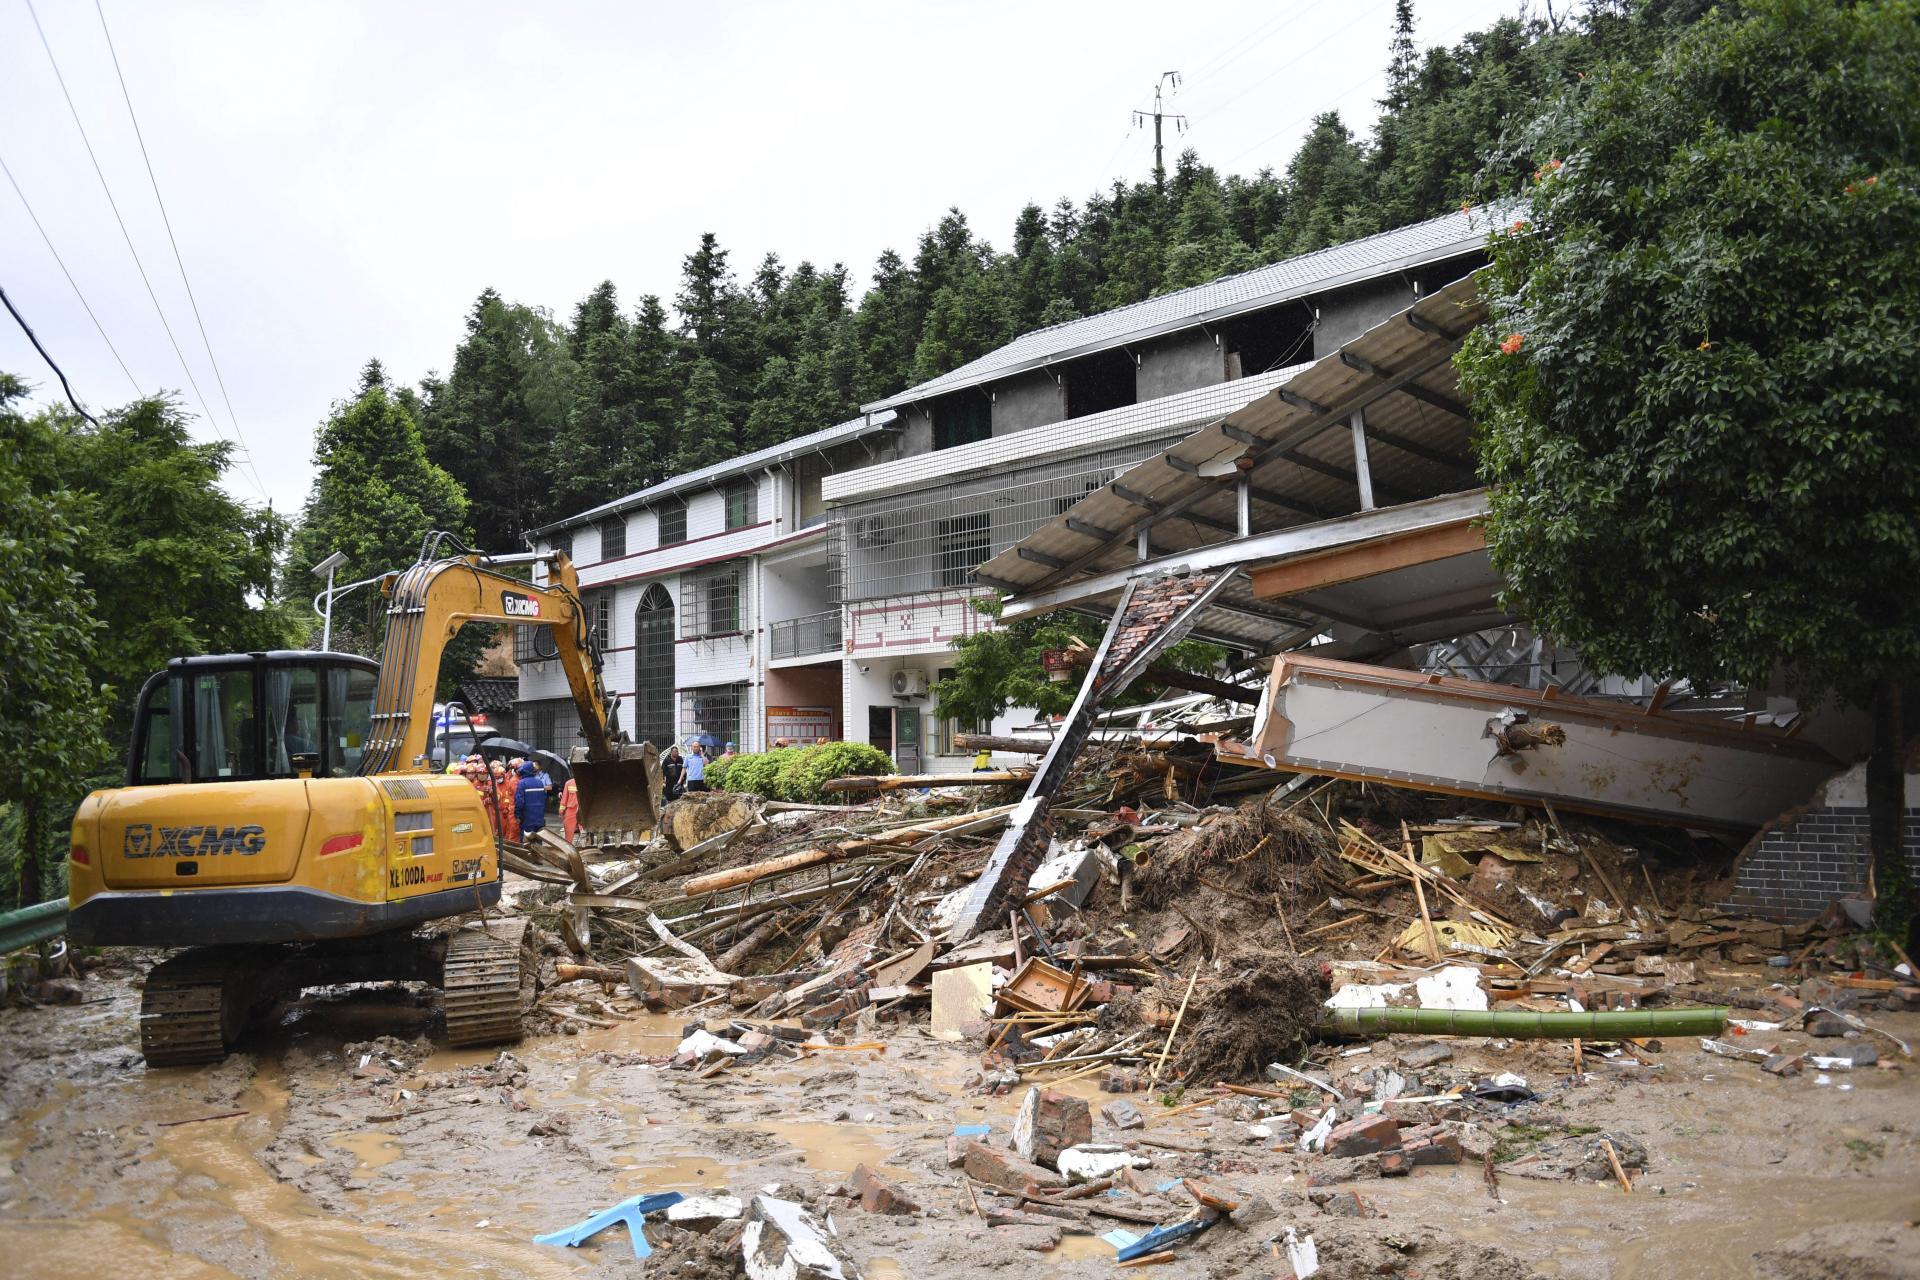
column 754, row 773
column 802, row 776
column 375, row 498
column 51, row 711
column 178, row 566
column 492, row 423
column 118, row 550
column 1001, row 668
column 1705, row 342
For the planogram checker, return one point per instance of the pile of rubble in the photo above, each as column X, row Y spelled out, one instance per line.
column 1212, row 947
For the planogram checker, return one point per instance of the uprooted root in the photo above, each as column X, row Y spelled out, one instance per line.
column 1256, row 848
column 1259, row 1013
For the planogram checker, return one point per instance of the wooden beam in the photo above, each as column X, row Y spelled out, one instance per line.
column 1383, row 555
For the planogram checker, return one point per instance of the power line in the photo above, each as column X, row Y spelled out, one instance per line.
column 124, row 234
column 1274, row 74
column 1339, row 98
column 245, row 453
column 35, row 340
column 48, row 240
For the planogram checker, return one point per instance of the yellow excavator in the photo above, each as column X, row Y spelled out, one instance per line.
column 282, row 818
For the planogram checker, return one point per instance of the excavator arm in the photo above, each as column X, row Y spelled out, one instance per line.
column 428, row 603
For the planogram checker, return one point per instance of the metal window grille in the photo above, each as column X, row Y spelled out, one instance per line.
column 653, row 667
column 563, row 543
column 552, row 724
column 600, row 619
column 710, row 602
column 743, row 505
column 673, row 523
column 613, row 538
column 963, row 543
column 533, row 643
column 712, row 714
column 929, row 538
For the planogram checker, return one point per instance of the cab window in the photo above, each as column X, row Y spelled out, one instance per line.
column 226, row 728
column 349, row 719
column 155, row 760
column 292, row 719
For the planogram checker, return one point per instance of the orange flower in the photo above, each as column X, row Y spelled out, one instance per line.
column 1511, row 346
column 1706, row 344
column 1466, row 206
column 1519, row 224
column 1872, row 178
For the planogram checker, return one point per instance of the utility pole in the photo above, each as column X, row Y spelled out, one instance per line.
column 1179, row 124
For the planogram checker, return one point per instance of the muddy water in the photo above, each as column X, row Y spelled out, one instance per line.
column 435, row 1172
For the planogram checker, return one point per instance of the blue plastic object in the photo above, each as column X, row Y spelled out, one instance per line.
column 971, row 1130
column 1119, row 1239
column 633, row 1212
column 1160, row 1237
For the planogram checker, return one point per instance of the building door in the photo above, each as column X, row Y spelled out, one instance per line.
column 906, row 739
column 880, row 728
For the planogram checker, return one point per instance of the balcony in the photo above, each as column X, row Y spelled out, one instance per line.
column 804, row 637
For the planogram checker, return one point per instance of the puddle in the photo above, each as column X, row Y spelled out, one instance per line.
column 1072, row 1248
column 373, row 1147
column 835, row 1148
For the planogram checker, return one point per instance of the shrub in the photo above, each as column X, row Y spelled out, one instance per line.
column 718, row 772
column 757, row 772
column 804, row 775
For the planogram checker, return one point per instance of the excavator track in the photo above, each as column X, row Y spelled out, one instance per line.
column 190, row 1009
column 488, row 980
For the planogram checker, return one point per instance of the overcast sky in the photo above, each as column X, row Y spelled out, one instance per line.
column 343, row 179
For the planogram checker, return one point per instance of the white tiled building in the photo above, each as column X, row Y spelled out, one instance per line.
column 817, row 588
column 709, row 598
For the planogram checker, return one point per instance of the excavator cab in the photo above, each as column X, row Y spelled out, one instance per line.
column 251, row 717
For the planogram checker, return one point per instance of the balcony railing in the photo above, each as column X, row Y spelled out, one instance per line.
column 803, row 637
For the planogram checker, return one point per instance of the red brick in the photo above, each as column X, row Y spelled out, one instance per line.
column 1364, row 1137
column 998, row 1167
column 1435, row 1144
column 1394, row 1163
column 1049, row 1122
column 877, row 1195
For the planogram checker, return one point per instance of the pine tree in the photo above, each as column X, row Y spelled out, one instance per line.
column 375, row 497
column 607, row 446
column 706, row 434
column 1403, row 60
column 493, row 423
column 887, row 328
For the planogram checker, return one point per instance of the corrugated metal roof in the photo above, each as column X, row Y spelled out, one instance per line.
column 1435, row 240
column 1419, row 447
column 773, row 455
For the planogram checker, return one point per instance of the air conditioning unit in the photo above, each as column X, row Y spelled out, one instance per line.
column 909, row 684
column 881, row 530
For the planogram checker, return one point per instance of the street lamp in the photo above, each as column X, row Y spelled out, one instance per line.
column 325, row 570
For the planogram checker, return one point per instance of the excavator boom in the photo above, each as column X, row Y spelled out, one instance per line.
column 428, row 603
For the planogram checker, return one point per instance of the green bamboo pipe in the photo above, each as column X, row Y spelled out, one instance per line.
column 1524, row 1024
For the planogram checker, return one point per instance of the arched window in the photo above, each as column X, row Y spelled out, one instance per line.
column 653, row 667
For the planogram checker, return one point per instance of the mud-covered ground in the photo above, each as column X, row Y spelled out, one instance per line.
column 399, row 1157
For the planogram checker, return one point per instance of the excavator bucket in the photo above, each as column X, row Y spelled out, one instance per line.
column 619, row 799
